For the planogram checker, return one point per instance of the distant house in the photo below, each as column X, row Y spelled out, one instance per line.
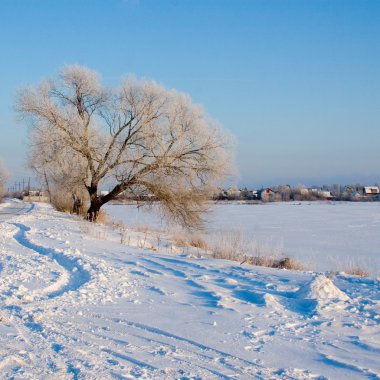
column 254, row 194
column 266, row 195
column 35, row 196
column 244, row 193
column 233, row 192
column 103, row 193
column 371, row 190
column 34, row 193
column 325, row 194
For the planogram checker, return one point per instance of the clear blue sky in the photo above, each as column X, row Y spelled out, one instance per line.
column 297, row 82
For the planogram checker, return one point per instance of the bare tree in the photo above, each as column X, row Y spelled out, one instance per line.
column 140, row 137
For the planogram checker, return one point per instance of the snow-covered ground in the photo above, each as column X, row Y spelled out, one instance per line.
column 323, row 236
column 76, row 303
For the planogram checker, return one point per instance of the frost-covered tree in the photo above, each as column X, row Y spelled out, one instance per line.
column 58, row 169
column 139, row 137
column 3, row 179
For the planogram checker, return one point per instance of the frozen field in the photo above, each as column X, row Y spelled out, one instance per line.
column 322, row 235
column 83, row 301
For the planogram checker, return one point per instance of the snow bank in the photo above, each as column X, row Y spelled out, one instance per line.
column 322, row 289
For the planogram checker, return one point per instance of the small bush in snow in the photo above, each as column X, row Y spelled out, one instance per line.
column 287, row 263
column 199, row 241
column 271, row 262
column 229, row 245
column 259, row 261
column 357, row 271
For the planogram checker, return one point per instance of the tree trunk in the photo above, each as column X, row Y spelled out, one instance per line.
column 93, row 211
column 47, row 186
column 95, row 203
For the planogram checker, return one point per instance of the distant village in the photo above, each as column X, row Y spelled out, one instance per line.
column 281, row 193
column 302, row 193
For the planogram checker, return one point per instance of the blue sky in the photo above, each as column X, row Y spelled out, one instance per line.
column 296, row 82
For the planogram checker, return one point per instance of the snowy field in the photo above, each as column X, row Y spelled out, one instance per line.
column 77, row 302
column 323, row 236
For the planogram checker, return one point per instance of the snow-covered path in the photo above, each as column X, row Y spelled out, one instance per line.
column 77, row 304
column 11, row 208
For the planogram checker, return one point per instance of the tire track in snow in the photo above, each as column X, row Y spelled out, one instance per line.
column 18, row 208
column 33, row 332
column 118, row 351
column 336, row 362
column 214, row 361
column 75, row 275
column 192, row 343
